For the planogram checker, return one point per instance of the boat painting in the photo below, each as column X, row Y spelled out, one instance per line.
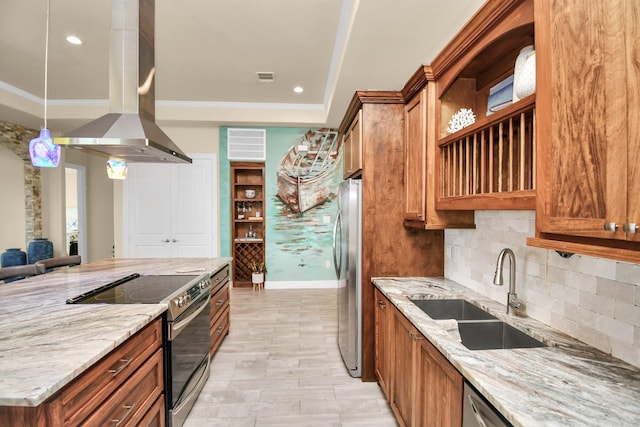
column 309, row 173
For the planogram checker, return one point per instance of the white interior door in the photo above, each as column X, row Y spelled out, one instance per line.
column 192, row 225
column 169, row 209
column 147, row 207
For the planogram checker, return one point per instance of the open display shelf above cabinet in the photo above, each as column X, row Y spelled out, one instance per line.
column 489, row 164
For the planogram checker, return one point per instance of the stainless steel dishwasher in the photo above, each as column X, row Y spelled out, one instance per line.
column 477, row 412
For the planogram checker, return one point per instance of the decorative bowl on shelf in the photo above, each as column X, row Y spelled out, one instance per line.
column 250, row 194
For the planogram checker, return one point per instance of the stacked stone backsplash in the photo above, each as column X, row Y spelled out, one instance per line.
column 595, row 300
column 16, row 138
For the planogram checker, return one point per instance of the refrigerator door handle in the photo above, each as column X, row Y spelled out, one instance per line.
column 336, row 262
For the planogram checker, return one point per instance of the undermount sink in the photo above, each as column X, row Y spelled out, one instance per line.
column 494, row 335
column 478, row 329
column 457, row 309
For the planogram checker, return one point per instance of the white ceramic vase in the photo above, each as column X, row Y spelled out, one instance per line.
column 257, row 277
column 524, row 73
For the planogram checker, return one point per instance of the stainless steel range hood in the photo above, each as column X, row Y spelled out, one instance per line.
column 129, row 131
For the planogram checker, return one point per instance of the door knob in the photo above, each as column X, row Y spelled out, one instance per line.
column 630, row 227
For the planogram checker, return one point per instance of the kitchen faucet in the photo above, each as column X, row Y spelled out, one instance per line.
column 512, row 299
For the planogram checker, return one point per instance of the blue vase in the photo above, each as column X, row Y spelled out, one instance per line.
column 38, row 249
column 12, row 257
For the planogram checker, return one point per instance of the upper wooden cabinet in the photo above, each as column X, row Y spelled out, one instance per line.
column 588, row 128
column 352, row 147
column 489, row 164
column 419, row 164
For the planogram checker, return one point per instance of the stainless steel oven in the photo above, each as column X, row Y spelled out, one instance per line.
column 187, row 356
column 186, row 330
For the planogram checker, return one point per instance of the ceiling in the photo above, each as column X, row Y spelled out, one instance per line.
column 208, row 52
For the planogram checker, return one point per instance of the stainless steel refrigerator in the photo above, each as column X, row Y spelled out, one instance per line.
column 347, row 255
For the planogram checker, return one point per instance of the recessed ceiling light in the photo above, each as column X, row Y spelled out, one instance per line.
column 298, row 89
column 74, row 40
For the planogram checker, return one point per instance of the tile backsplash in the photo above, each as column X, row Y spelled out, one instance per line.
column 595, row 300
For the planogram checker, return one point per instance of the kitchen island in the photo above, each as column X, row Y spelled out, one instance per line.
column 567, row 383
column 46, row 343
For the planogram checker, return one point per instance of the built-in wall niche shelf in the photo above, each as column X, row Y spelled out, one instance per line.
column 490, row 163
column 248, row 223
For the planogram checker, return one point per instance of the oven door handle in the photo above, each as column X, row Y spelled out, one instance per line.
column 178, row 326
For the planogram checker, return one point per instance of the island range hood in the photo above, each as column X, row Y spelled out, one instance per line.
column 129, row 131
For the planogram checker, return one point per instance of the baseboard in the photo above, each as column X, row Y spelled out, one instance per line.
column 307, row 284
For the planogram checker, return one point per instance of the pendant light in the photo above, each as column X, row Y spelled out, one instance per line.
column 116, row 169
column 42, row 150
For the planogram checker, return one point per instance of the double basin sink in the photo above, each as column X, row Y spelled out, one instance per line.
column 478, row 329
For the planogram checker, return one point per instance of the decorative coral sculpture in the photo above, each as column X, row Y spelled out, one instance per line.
column 461, row 119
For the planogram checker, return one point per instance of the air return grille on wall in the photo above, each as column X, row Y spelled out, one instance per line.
column 246, row 144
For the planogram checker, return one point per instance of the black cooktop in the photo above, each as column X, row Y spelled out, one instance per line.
column 134, row 289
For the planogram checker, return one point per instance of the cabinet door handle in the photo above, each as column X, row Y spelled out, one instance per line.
column 414, row 336
column 220, row 328
column 165, row 241
column 219, row 302
column 125, row 363
column 381, row 304
column 610, row 226
column 419, row 215
column 173, row 240
column 630, row 227
column 129, row 408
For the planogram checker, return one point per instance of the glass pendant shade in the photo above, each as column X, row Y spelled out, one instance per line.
column 116, row 169
column 43, row 152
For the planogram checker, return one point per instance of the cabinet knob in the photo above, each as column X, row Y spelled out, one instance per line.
column 165, row 241
column 419, row 215
column 630, row 227
column 610, row 226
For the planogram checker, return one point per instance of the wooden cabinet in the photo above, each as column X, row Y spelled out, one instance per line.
column 588, row 129
column 424, row 389
column 438, row 390
column 489, row 164
column 403, row 337
column 419, row 159
column 383, row 345
column 247, row 219
column 220, row 319
column 126, row 385
column 381, row 118
column 352, row 148
column 103, row 390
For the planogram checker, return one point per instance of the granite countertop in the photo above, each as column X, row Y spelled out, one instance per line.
column 567, row 383
column 45, row 343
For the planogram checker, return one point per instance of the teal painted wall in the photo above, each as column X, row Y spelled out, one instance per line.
column 298, row 246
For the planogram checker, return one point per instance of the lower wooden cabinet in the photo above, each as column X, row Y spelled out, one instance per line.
column 438, row 391
column 403, row 337
column 383, row 345
column 126, row 385
column 423, row 388
column 219, row 304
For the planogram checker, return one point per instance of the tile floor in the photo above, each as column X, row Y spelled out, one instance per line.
column 280, row 366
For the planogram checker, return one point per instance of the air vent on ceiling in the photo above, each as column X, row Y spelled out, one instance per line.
column 246, row 144
column 266, row 76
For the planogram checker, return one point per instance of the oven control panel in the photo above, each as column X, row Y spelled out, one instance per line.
column 181, row 301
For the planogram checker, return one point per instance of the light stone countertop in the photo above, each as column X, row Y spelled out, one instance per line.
column 45, row 343
column 567, row 383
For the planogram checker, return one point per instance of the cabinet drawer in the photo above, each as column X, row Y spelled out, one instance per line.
column 219, row 330
column 218, row 279
column 219, row 301
column 131, row 402
column 155, row 416
column 86, row 393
